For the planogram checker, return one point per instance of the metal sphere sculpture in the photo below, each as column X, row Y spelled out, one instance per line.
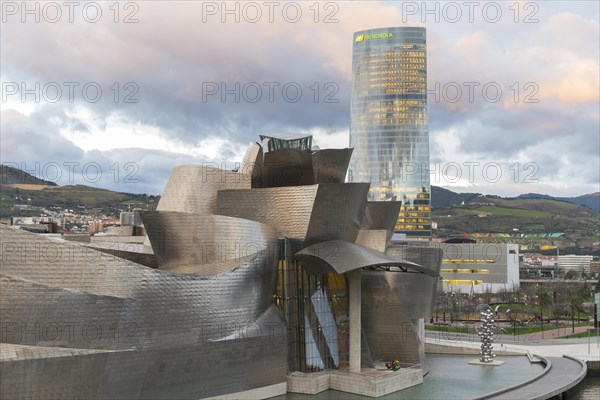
column 486, row 332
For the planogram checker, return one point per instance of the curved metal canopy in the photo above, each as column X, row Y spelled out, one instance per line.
column 340, row 257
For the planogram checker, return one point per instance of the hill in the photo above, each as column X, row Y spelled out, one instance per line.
column 591, row 200
column 13, row 176
column 523, row 214
column 22, row 188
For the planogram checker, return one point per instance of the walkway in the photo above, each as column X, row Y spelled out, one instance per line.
column 563, row 374
column 566, row 359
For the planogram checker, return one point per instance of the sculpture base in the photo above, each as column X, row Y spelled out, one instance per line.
column 491, row 364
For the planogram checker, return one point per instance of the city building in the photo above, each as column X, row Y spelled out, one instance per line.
column 389, row 123
column 127, row 218
column 479, row 267
column 575, row 263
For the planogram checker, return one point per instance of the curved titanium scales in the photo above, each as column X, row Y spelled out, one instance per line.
column 374, row 239
column 424, row 255
column 193, row 188
column 331, row 165
column 165, row 307
column 339, row 256
column 378, row 224
column 295, row 167
column 393, row 302
column 287, row 167
column 381, row 215
column 287, row 209
column 207, row 244
column 114, row 329
column 309, row 214
column 387, row 327
column 337, row 212
column 252, row 164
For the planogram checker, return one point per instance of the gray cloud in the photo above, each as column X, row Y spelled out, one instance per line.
column 172, row 58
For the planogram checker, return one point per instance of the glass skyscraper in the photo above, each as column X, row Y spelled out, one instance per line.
column 388, row 122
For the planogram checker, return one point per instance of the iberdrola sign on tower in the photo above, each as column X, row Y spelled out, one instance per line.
column 361, row 38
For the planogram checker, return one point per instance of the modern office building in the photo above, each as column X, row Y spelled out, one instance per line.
column 388, row 122
column 576, row 263
column 480, row 267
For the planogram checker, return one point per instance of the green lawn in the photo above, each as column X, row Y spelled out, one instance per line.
column 442, row 328
column 511, row 212
column 580, row 335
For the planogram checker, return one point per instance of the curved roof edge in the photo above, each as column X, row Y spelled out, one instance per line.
column 339, row 256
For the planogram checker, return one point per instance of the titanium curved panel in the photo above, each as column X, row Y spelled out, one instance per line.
column 339, row 256
column 66, row 264
column 386, row 323
column 373, row 239
column 206, row 244
column 176, row 332
column 165, row 307
column 287, row 209
column 331, row 165
column 426, row 256
column 337, row 212
column 287, row 167
column 42, row 315
column 311, row 213
column 193, row 188
column 381, row 215
column 252, row 164
column 128, row 251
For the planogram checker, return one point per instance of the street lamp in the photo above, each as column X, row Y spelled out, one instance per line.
column 512, row 320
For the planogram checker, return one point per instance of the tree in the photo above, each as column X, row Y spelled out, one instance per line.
column 544, row 300
column 574, row 300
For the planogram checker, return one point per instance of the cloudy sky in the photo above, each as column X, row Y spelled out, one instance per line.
column 117, row 95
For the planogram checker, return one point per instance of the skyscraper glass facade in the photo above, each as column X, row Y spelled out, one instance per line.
column 388, row 122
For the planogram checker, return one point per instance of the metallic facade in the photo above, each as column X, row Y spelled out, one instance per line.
column 306, row 214
column 388, row 122
column 247, row 288
column 339, row 257
column 151, row 331
column 393, row 302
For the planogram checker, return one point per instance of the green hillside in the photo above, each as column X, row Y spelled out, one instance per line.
column 490, row 214
column 22, row 188
column 71, row 197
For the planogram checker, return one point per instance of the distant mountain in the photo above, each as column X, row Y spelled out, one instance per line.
column 441, row 197
column 459, row 213
column 19, row 187
column 591, row 200
column 13, row 176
